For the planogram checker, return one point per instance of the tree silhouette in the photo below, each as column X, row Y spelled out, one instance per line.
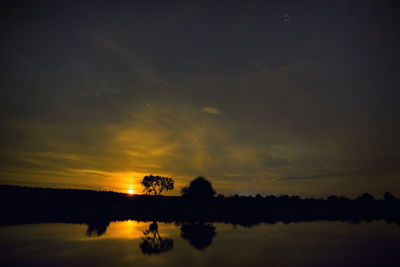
column 97, row 228
column 388, row 196
column 153, row 243
column 199, row 234
column 198, row 188
column 366, row 197
column 332, row 198
column 157, row 184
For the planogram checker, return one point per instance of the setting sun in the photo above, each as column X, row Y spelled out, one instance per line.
column 131, row 191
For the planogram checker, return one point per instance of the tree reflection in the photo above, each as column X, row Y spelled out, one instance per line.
column 199, row 234
column 153, row 243
column 97, row 228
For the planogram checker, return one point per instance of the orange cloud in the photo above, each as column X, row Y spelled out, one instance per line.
column 211, row 110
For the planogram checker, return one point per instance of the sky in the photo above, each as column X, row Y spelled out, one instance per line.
column 268, row 97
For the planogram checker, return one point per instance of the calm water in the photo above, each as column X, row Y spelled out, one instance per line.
column 132, row 243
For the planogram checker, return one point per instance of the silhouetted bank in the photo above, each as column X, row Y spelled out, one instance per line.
column 21, row 205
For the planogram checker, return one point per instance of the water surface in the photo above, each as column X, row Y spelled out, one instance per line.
column 136, row 243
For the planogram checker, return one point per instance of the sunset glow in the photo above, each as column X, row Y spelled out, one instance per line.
column 250, row 100
column 131, row 191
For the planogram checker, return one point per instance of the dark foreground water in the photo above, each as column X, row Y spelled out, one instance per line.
column 132, row 243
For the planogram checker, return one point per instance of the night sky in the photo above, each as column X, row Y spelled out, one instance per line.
column 297, row 97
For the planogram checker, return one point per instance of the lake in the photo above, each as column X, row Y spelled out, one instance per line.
column 133, row 243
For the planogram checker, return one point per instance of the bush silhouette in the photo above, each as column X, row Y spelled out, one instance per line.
column 198, row 188
column 157, row 184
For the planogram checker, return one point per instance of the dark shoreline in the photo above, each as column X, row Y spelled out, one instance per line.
column 24, row 205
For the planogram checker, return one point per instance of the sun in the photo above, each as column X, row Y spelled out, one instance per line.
column 131, row 191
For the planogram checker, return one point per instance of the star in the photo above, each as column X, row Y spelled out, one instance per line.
column 285, row 18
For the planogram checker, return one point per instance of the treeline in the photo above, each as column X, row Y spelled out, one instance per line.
column 27, row 205
column 8, row 191
column 286, row 198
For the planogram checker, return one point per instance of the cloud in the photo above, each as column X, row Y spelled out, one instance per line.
column 211, row 110
column 320, row 176
column 122, row 102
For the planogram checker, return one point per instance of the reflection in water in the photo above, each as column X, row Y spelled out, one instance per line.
column 153, row 243
column 97, row 228
column 125, row 243
column 199, row 234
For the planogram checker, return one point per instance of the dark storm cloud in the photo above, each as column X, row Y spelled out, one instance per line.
column 96, row 93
